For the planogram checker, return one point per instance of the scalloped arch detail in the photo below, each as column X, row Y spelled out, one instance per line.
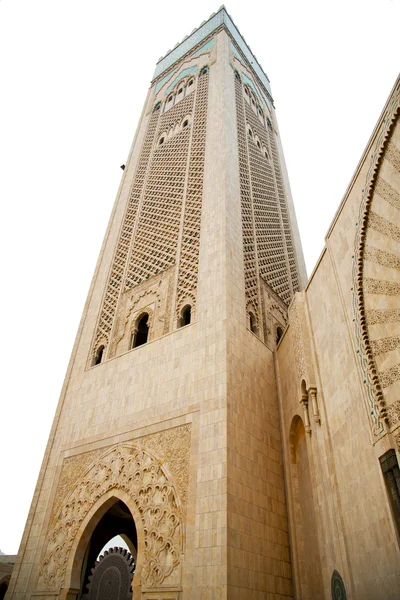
column 141, row 475
column 376, row 274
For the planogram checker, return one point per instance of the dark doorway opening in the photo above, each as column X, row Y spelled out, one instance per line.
column 109, row 576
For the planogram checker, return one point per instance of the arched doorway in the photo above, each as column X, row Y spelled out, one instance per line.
column 109, row 576
column 4, row 586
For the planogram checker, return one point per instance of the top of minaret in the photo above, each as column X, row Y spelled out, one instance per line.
column 202, row 32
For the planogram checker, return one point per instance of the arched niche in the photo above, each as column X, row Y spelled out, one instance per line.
column 303, row 525
column 4, row 583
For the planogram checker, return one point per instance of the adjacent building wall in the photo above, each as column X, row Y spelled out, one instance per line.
column 331, row 448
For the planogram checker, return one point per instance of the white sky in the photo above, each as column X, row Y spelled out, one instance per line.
column 74, row 75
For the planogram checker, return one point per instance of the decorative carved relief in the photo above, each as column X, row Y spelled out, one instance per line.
column 384, row 226
column 268, row 247
column 377, row 228
column 385, row 315
column 249, row 254
column 379, row 286
column 172, row 446
column 304, row 359
column 389, row 376
column 115, row 280
column 385, row 345
column 298, row 345
column 155, row 243
column 393, row 412
column 157, row 482
column 387, row 192
column 151, row 297
column 72, row 469
column 274, row 313
column 381, row 257
column 393, row 156
column 190, row 243
column 168, row 182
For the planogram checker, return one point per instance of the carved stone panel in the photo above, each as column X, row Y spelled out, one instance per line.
column 151, row 297
column 377, row 276
column 302, row 341
column 154, row 471
column 275, row 314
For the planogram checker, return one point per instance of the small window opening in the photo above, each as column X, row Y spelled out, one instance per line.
column 142, row 332
column 186, row 316
column 157, row 107
column 161, row 141
column 180, row 90
column 258, row 143
column 391, row 471
column 98, row 356
column 190, row 83
column 250, row 133
column 253, row 323
column 170, row 98
column 238, row 77
column 185, row 123
column 266, row 154
column 279, row 333
column 269, row 123
column 203, row 71
column 246, row 91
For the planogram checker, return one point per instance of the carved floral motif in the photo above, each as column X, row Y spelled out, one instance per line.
column 140, row 474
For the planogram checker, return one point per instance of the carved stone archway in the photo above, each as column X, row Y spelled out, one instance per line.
column 135, row 476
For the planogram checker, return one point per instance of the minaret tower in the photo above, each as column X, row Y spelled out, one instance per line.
column 167, row 429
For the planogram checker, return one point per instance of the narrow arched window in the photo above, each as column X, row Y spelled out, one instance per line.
column 185, row 123
column 190, row 82
column 279, row 333
column 162, row 139
column 258, row 144
column 250, row 133
column 98, row 357
column 186, row 315
column 142, row 332
column 253, row 323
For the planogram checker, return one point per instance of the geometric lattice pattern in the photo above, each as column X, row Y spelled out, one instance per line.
column 268, row 244
column 189, row 256
column 249, row 250
column 156, row 241
column 125, row 237
column 168, row 181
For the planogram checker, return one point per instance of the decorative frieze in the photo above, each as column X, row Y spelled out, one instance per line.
column 380, row 196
